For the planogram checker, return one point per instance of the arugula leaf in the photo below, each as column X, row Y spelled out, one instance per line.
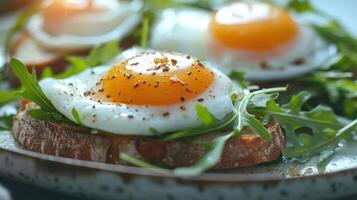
column 239, row 77
column 42, row 115
column 334, row 89
column 76, row 116
column 7, row 96
column 300, row 6
column 32, row 90
column 223, row 125
column 103, row 54
column 245, row 118
column 324, row 158
column 213, row 154
column 324, row 131
column 292, row 152
column 141, row 163
column 98, row 56
column 145, row 33
column 204, row 115
column 6, row 122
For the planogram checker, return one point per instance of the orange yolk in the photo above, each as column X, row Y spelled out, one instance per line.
column 154, row 79
column 252, row 26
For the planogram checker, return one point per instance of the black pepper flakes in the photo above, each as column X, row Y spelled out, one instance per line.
column 188, row 90
column 182, row 99
column 130, row 116
column 165, row 69
column 182, row 108
column 264, row 65
column 136, row 85
column 87, row 93
column 200, row 100
column 166, row 114
column 128, row 76
column 134, row 64
column 299, row 61
column 173, row 62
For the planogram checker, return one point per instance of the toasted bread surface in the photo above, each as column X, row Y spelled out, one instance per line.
column 76, row 142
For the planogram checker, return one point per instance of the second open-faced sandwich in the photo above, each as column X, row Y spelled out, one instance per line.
column 59, row 28
column 158, row 107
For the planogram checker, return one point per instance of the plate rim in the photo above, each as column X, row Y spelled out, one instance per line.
column 137, row 171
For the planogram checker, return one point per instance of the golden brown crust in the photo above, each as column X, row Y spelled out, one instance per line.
column 74, row 142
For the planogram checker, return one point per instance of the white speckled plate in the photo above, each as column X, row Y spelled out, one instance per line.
column 4, row 194
column 107, row 181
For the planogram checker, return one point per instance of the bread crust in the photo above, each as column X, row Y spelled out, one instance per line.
column 74, row 142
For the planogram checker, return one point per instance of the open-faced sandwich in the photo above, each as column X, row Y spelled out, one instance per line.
column 56, row 29
column 155, row 106
column 263, row 40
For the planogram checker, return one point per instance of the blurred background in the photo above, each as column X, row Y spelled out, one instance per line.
column 343, row 10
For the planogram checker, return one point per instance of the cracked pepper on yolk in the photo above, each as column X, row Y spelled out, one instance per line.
column 253, row 26
column 154, row 79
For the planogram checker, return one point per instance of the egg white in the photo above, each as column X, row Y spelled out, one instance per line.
column 178, row 30
column 68, row 93
column 88, row 30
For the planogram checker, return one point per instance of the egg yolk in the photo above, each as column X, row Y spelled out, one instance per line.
column 154, row 79
column 252, row 26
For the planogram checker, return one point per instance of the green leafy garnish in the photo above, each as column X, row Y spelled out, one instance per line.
column 32, row 91
column 204, row 115
column 7, row 96
column 140, row 163
column 6, row 122
column 300, row 6
column 310, row 132
column 76, row 116
column 31, row 88
column 212, row 156
column 239, row 77
column 98, row 56
column 319, row 146
column 145, row 33
column 222, row 125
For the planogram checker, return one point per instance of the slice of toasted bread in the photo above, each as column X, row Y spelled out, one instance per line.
column 76, row 142
column 26, row 49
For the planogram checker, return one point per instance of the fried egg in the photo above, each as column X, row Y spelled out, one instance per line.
column 149, row 90
column 263, row 40
column 78, row 24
